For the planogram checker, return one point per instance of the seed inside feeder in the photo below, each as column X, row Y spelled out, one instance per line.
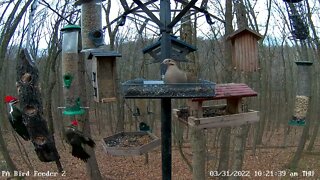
column 301, row 107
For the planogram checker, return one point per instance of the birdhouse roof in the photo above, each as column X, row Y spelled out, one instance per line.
column 174, row 40
column 230, row 90
column 101, row 53
column 243, row 31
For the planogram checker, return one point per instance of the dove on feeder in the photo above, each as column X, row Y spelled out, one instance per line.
column 175, row 75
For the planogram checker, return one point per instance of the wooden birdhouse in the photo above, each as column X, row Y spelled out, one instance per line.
column 103, row 74
column 179, row 50
column 245, row 49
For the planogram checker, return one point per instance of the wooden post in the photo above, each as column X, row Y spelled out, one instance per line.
column 198, row 144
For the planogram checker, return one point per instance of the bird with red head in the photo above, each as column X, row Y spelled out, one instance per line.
column 10, row 99
column 15, row 117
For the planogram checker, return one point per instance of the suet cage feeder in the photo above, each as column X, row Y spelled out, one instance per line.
column 303, row 92
column 103, row 74
column 298, row 18
column 245, row 49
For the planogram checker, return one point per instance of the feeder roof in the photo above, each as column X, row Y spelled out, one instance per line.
column 101, row 53
column 174, row 40
column 242, row 31
column 71, row 27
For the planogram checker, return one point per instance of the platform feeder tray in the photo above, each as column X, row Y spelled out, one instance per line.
column 130, row 143
column 140, row 88
column 216, row 117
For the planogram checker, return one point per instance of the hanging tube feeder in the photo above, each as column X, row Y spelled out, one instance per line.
column 70, row 60
column 302, row 94
column 297, row 14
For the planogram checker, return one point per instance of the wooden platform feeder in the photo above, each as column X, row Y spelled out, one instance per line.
column 229, row 115
column 245, row 49
column 130, row 143
column 103, row 74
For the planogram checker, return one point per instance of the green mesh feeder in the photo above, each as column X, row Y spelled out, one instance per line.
column 67, row 80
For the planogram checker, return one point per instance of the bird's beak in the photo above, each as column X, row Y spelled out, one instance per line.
column 16, row 101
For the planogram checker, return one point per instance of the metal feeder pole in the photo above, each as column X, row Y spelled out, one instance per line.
column 166, row 155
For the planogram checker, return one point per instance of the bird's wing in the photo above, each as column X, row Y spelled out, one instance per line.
column 175, row 75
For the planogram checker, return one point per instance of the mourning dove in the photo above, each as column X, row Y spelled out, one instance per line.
column 173, row 73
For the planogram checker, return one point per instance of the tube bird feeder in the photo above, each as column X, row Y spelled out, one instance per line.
column 92, row 33
column 303, row 93
column 70, row 60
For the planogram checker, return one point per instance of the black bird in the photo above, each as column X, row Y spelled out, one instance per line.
column 15, row 117
column 77, row 140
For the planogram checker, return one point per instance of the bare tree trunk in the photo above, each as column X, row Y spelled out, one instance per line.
column 198, row 141
column 242, row 131
column 7, row 32
column 239, row 149
column 293, row 164
column 225, row 132
column 120, row 100
column 92, row 164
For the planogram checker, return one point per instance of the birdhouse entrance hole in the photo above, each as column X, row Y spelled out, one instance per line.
column 40, row 140
column 30, row 110
column 26, row 78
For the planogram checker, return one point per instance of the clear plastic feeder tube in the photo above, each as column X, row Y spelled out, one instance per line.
column 303, row 90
